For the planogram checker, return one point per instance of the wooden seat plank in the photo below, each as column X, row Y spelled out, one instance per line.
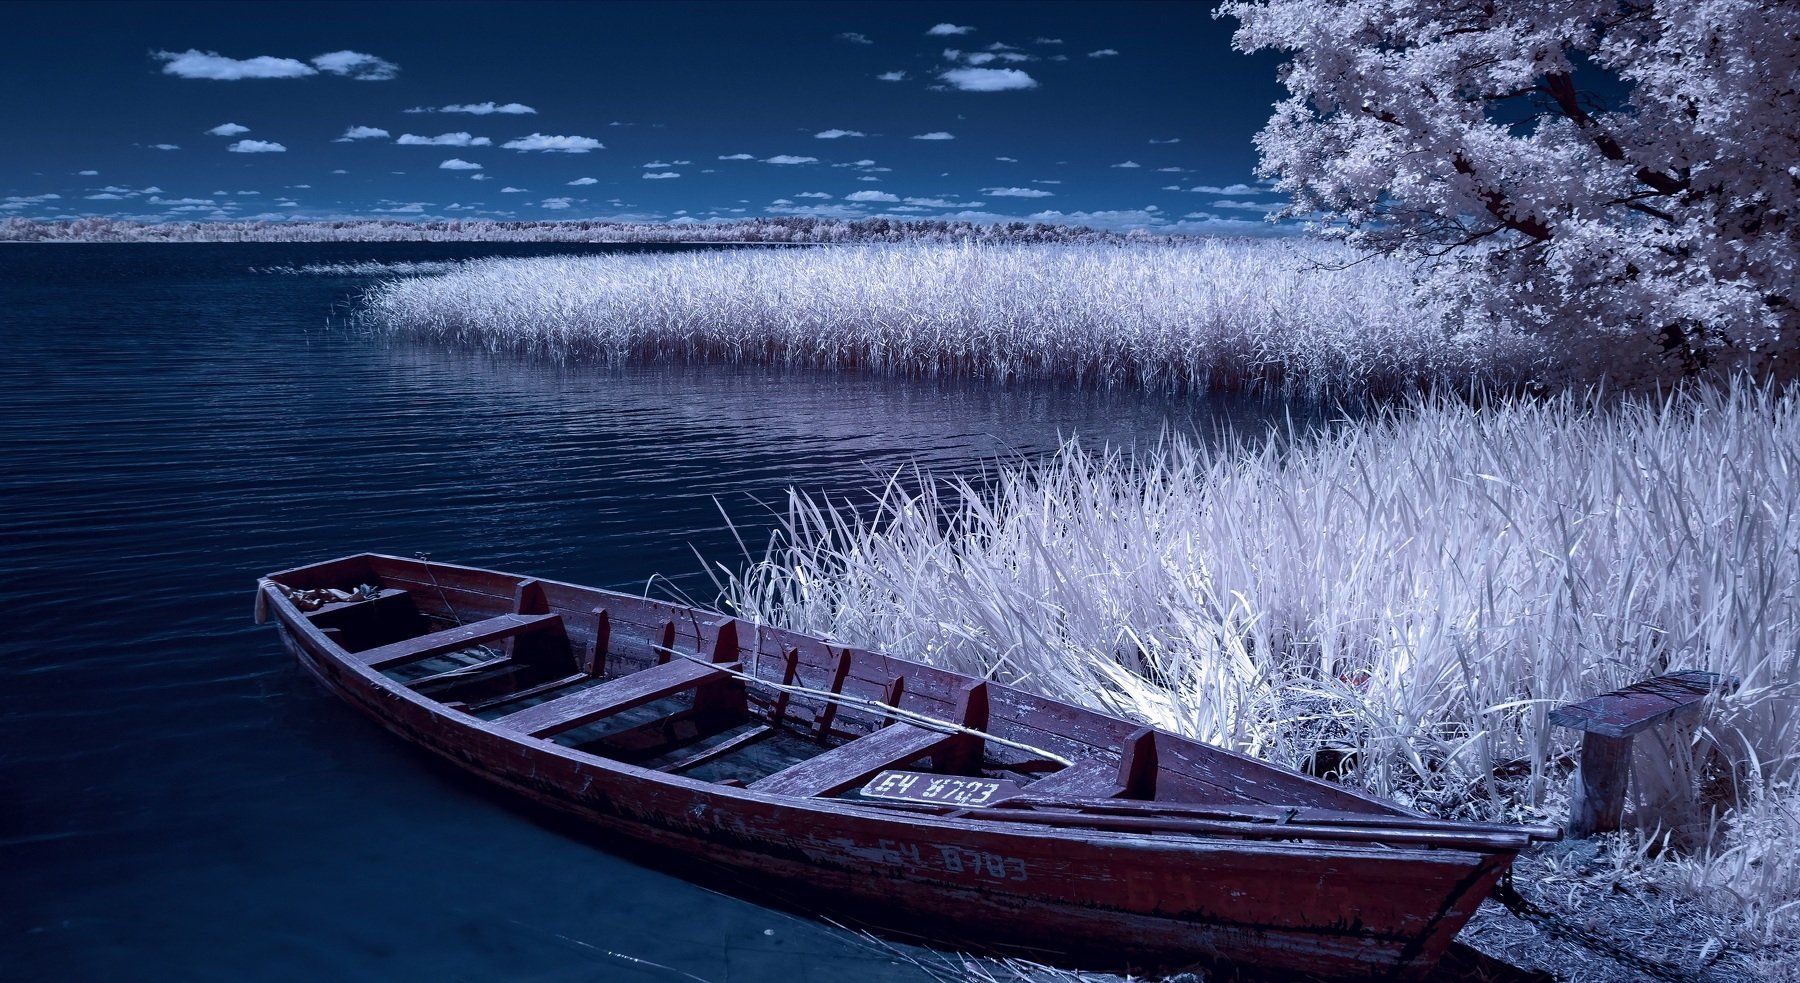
column 1089, row 778
column 852, row 763
column 453, row 639
column 644, row 686
column 1627, row 711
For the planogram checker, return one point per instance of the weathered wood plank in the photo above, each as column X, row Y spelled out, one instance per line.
column 719, row 750
column 450, row 640
column 1627, row 711
column 1089, row 778
column 568, row 712
column 851, row 764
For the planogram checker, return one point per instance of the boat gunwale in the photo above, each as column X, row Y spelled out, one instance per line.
column 293, row 619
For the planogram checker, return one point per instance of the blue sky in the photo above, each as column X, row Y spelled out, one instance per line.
column 1116, row 114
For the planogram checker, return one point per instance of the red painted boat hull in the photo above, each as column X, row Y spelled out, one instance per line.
column 1339, row 911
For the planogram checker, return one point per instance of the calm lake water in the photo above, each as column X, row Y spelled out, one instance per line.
column 178, row 801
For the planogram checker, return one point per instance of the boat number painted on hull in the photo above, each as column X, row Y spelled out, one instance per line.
column 948, row 859
column 913, row 786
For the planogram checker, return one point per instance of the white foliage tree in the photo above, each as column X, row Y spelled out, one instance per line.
column 1624, row 173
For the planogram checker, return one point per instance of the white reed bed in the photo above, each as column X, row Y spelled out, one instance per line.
column 1417, row 589
column 1193, row 314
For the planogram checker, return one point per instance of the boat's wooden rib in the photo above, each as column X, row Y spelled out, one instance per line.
column 453, row 639
column 552, row 717
column 1148, row 847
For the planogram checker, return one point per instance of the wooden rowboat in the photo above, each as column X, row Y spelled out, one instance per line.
column 907, row 794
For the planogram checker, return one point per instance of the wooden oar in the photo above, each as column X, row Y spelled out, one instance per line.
column 1505, row 840
column 1275, row 814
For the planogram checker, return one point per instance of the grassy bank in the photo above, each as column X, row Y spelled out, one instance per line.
column 1210, row 314
column 1410, row 594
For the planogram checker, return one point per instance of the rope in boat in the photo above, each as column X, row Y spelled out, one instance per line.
column 425, row 561
column 909, row 716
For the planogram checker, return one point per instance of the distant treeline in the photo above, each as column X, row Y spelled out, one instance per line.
column 778, row 229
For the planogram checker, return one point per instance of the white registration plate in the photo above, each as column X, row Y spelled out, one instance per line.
column 956, row 790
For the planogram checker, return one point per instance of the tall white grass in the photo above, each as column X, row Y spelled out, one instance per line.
column 1416, row 589
column 1174, row 315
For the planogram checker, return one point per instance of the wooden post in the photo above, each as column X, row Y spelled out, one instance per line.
column 1598, row 803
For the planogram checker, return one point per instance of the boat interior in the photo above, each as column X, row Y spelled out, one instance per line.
column 717, row 700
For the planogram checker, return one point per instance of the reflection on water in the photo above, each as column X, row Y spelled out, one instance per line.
column 179, row 801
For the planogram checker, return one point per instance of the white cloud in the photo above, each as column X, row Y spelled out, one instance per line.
column 1229, row 189
column 166, row 146
column 555, row 204
column 870, row 196
column 481, row 177
column 812, row 194
column 855, row 37
column 88, row 173
column 1248, row 206
column 578, row 182
column 787, row 159
column 362, row 133
column 1102, row 53
column 942, row 203
column 1009, row 160
column 366, row 68
column 1170, row 170
column 458, row 164
column 935, row 135
column 785, row 207
column 181, row 201
column 1128, row 164
column 196, row 64
column 988, row 79
column 13, row 203
column 105, row 196
column 1170, row 140
column 228, row 129
column 339, row 171
column 659, row 175
column 410, row 208
column 1037, row 180
column 457, row 139
column 738, row 157
column 892, row 76
column 837, row 134
column 249, row 192
column 257, row 147
column 510, row 190
column 1016, row 192
column 555, row 144
column 868, row 179
column 479, row 109
column 1046, row 40
column 941, row 30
